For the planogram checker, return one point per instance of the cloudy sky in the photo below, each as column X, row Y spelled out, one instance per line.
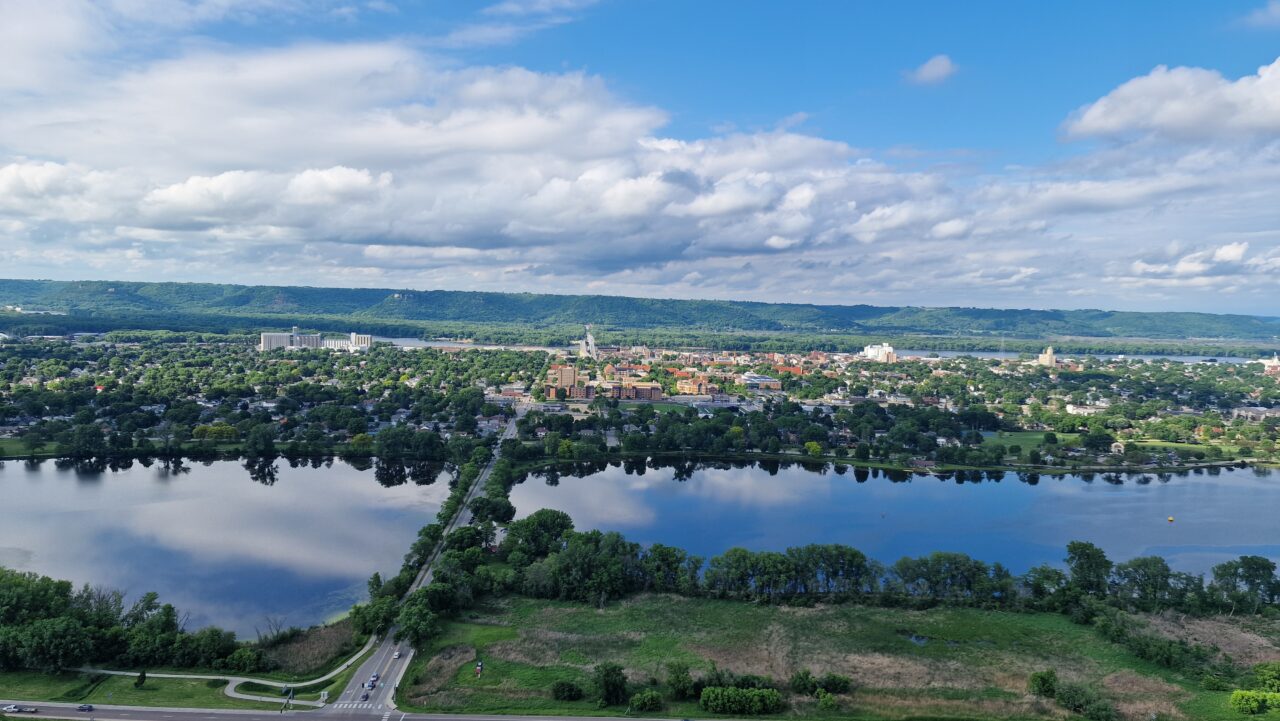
column 1112, row 155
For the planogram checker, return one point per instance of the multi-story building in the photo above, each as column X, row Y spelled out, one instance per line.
column 757, row 382
column 294, row 339
column 562, row 376
column 880, row 352
column 1047, row 358
column 1271, row 366
column 271, row 341
column 696, row 386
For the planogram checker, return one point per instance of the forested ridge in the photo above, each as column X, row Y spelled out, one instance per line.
column 199, row 304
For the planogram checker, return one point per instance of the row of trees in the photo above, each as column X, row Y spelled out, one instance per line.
column 554, row 561
column 46, row 624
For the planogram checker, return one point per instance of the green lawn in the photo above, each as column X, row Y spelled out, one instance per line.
column 119, row 690
column 1029, row 439
column 962, row 663
column 14, row 448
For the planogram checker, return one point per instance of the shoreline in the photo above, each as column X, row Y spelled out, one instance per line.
column 622, row 456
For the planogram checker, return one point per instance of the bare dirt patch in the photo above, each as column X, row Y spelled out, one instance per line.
column 1141, row 697
column 1244, row 646
column 440, row 670
column 912, row 706
column 543, row 647
column 770, row 657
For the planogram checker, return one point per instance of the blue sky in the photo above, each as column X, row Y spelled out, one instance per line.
column 1116, row 155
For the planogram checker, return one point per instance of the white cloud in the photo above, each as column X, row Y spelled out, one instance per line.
column 379, row 164
column 537, row 7
column 1267, row 16
column 933, row 71
column 1187, row 104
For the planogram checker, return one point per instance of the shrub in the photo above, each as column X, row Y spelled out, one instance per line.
column 612, row 684
column 1248, row 702
column 1085, row 701
column 834, row 683
column 566, row 691
column 1268, row 675
column 681, row 683
column 647, row 700
column 826, row 701
column 1043, row 683
column 740, row 701
column 802, row 682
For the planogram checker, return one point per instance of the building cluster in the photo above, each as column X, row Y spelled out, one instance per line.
column 1271, row 366
column 880, row 353
column 355, row 343
column 567, row 382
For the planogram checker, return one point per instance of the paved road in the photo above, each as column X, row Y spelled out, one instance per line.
column 390, row 670
column 140, row 713
column 381, row 700
column 234, row 681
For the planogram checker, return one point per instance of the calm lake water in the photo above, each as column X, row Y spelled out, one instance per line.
column 219, row 546
column 231, row 551
column 1217, row 515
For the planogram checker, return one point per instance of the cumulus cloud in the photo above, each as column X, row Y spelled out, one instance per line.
column 1186, row 103
column 380, row 164
column 933, row 71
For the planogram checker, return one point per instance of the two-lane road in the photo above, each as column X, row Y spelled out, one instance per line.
column 390, row 670
column 139, row 713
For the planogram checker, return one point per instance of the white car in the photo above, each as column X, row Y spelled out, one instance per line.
column 10, row 709
column 395, row 655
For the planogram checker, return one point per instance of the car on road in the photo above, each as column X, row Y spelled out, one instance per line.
column 85, row 707
column 374, row 677
column 364, row 696
column 395, row 655
column 10, row 709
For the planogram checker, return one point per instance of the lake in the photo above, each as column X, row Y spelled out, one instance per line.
column 231, row 551
column 1218, row 514
column 219, row 546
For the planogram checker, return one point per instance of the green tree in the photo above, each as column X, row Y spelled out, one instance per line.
column 1089, row 568
column 612, row 684
column 417, row 623
column 679, row 681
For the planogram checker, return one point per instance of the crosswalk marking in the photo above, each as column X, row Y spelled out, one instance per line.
column 386, row 715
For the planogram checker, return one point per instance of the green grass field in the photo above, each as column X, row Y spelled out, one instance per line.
column 1029, row 439
column 939, row 664
column 119, row 690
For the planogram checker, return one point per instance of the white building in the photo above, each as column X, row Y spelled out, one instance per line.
column 587, row 346
column 880, row 352
column 292, row 339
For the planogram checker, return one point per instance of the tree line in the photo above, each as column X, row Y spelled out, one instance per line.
column 46, row 624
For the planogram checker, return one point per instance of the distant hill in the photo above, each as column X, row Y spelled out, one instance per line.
column 88, row 299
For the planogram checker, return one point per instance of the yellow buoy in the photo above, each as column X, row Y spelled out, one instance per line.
column 1170, row 519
